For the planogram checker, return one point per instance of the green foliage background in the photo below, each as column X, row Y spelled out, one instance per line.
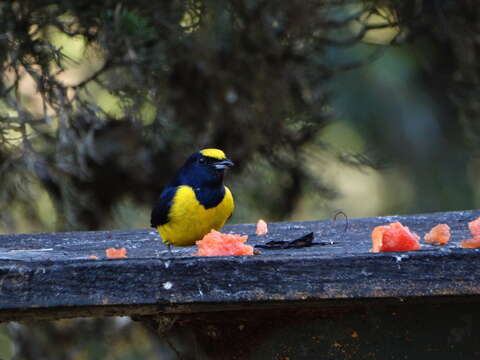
column 366, row 106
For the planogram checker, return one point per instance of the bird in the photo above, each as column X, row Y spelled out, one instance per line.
column 195, row 201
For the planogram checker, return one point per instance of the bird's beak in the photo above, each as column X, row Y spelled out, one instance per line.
column 223, row 164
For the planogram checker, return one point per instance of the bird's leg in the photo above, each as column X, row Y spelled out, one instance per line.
column 170, row 249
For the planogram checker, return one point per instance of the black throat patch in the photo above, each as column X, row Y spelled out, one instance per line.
column 209, row 197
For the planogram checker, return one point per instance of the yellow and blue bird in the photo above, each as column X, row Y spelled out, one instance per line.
column 196, row 200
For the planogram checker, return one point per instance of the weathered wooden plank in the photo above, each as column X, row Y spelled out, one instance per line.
column 51, row 276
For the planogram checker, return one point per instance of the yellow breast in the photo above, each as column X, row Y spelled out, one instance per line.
column 190, row 221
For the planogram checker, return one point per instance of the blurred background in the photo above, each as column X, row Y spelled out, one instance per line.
column 369, row 107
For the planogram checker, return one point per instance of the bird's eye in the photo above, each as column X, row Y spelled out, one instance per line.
column 201, row 160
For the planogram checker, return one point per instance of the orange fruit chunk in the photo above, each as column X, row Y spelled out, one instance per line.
column 438, row 235
column 377, row 238
column 474, row 227
column 471, row 243
column 394, row 237
column 113, row 253
column 216, row 243
column 262, row 228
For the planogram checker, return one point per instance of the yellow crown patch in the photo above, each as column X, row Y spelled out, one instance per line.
column 213, row 153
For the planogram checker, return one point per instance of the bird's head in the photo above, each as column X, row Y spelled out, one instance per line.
column 205, row 168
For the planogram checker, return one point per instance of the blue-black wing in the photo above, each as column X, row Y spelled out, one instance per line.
column 160, row 211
